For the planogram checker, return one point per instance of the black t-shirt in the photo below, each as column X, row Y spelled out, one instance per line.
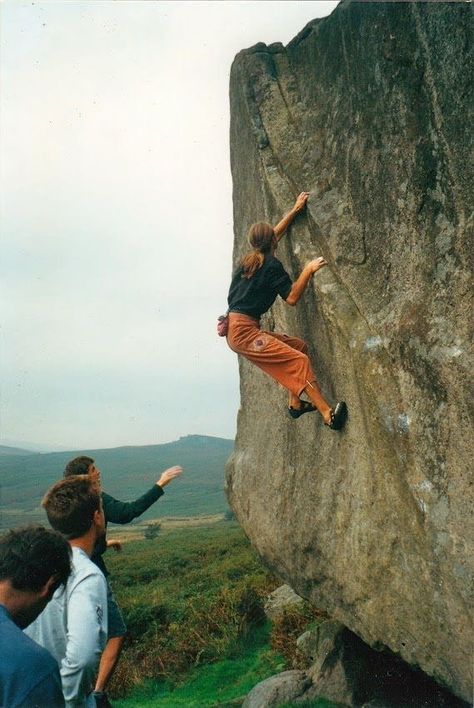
column 255, row 295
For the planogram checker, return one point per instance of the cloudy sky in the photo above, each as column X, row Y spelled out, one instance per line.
column 116, row 215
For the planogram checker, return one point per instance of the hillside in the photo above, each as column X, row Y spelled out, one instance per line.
column 127, row 472
column 7, row 450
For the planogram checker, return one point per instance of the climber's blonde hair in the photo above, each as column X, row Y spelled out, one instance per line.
column 261, row 237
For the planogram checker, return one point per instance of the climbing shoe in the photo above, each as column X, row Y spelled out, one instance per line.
column 306, row 407
column 338, row 416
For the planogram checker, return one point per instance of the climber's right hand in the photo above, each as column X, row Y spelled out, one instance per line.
column 317, row 264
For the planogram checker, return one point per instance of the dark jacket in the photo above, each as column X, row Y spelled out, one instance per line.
column 119, row 512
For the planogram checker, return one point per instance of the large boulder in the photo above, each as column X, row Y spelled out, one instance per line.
column 369, row 110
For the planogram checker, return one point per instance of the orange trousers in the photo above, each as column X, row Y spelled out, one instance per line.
column 283, row 358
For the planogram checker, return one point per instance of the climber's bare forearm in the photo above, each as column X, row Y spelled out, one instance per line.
column 282, row 225
column 299, row 286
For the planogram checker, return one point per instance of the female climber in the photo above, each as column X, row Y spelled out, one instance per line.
column 253, row 290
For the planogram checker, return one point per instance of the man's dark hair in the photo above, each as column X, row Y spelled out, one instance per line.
column 71, row 504
column 31, row 555
column 79, row 465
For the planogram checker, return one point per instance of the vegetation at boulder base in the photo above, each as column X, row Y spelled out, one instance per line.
column 193, row 603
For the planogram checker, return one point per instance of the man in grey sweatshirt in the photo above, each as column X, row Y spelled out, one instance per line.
column 73, row 627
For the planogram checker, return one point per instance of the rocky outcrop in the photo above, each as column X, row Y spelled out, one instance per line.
column 278, row 690
column 281, row 599
column 347, row 672
column 369, row 110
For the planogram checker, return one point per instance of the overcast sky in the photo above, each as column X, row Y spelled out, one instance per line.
column 116, row 215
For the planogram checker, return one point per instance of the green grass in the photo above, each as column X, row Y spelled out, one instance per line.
column 213, row 684
column 190, row 597
column 317, row 703
column 193, row 602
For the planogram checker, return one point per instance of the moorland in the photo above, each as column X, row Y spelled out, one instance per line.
column 127, row 472
column 193, row 600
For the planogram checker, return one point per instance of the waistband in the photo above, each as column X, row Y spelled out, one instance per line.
column 247, row 318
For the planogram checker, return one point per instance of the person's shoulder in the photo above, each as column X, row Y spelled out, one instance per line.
column 38, row 656
column 28, row 672
column 271, row 260
column 83, row 567
column 272, row 263
column 18, row 643
column 107, row 498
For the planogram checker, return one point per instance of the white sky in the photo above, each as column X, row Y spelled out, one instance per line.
column 116, row 215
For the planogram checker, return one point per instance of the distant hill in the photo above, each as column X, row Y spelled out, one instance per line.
column 7, row 450
column 127, row 472
column 30, row 446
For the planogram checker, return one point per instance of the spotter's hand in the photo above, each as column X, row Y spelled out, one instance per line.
column 169, row 474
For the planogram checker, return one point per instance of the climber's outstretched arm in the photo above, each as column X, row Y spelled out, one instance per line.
column 282, row 225
column 298, row 287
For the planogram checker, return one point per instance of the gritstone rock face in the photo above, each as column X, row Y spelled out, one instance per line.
column 370, row 110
